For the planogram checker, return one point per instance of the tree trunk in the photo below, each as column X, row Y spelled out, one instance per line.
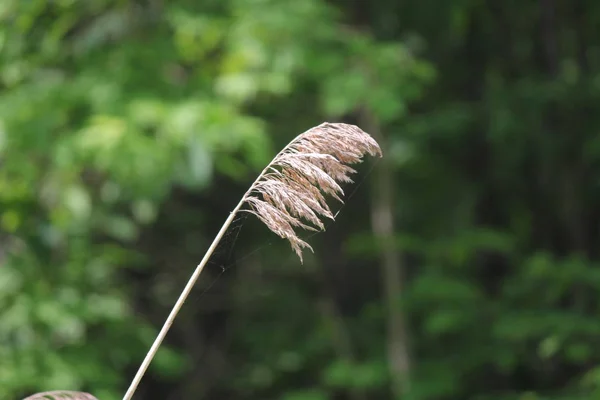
column 382, row 217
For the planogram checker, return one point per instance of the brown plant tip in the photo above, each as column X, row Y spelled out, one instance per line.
column 290, row 192
column 61, row 395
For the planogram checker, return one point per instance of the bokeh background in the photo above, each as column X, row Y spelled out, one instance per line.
column 463, row 265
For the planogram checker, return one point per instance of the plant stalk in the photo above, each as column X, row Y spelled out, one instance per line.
column 182, row 297
column 392, row 269
column 190, row 285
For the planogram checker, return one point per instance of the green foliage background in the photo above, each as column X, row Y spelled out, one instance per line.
column 129, row 130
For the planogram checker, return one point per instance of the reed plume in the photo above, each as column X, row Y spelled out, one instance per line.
column 288, row 194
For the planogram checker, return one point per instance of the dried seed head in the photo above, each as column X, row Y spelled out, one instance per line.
column 290, row 192
column 61, row 395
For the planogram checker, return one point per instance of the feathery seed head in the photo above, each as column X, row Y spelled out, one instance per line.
column 291, row 189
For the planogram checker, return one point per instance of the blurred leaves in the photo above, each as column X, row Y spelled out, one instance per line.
column 128, row 127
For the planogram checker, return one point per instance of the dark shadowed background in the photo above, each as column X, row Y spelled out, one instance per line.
column 464, row 264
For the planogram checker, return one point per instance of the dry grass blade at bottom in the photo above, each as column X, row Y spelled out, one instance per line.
column 61, row 395
column 290, row 192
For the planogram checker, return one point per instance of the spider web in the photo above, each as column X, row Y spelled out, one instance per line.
column 224, row 258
